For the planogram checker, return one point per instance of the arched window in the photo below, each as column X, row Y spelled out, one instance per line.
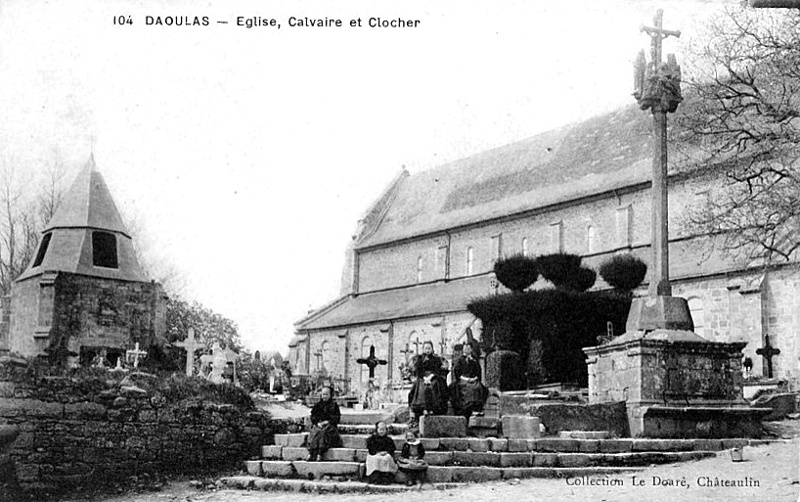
column 698, row 314
column 524, row 246
column 324, row 360
column 591, row 239
column 470, row 257
column 366, row 343
column 419, row 269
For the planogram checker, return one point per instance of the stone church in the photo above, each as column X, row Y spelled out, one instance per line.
column 428, row 244
column 84, row 291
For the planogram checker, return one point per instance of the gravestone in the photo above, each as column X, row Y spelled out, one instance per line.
column 135, row 355
column 190, row 344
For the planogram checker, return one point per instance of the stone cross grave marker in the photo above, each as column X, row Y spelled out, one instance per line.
column 768, row 352
column 190, row 344
column 135, row 355
column 371, row 362
column 219, row 361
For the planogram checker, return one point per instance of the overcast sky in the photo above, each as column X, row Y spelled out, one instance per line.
column 246, row 156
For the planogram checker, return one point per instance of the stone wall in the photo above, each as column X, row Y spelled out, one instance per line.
column 557, row 417
column 71, row 436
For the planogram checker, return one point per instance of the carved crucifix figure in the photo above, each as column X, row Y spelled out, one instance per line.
column 318, row 355
column 371, row 362
column 768, row 352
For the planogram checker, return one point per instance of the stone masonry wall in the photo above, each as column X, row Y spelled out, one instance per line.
column 71, row 439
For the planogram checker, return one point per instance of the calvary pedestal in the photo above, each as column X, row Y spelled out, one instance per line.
column 674, row 383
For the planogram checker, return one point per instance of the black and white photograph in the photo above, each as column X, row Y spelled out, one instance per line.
column 289, row 250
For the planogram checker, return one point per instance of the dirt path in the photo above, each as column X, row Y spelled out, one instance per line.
column 769, row 473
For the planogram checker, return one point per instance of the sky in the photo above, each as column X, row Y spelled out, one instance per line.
column 245, row 157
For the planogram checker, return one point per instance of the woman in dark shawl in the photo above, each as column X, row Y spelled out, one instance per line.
column 428, row 395
column 468, row 393
column 324, row 432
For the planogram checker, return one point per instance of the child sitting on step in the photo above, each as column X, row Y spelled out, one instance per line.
column 411, row 460
column 380, row 460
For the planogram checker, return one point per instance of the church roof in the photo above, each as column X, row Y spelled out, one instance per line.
column 88, row 203
column 596, row 155
column 67, row 243
column 383, row 306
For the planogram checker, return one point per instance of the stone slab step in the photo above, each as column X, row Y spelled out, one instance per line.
column 392, row 429
column 368, row 418
column 548, row 444
column 583, row 434
column 277, row 465
column 307, row 486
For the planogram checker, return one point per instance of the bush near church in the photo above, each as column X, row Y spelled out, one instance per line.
column 547, row 328
column 623, row 272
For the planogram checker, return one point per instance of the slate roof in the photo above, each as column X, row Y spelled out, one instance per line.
column 383, row 306
column 88, row 203
column 599, row 154
column 85, row 207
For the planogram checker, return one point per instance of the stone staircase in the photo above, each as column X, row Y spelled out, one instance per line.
column 453, row 460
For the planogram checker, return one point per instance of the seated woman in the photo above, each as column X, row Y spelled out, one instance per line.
column 380, row 459
column 324, row 432
column 412, row 459
column 428, row 395
column 468, row 393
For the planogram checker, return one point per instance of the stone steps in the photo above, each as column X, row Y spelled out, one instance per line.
column 343, row 471
column 307, row 486
column 546, row 444
column 276, row 460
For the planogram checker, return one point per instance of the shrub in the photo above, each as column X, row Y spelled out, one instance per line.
column 623, row 272
column 548, row 328
column 559, row 268
column 516, row 272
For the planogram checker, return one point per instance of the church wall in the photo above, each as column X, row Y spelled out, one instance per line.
column 360, row 338
column 331, row 344
column 397, row 265
column 782, row 320
column 620, row 221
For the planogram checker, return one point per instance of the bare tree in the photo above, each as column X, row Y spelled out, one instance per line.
column 744, row 116
column 51, row 192
column 18, row 230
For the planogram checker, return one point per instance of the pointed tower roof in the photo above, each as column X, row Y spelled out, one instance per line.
column 88, row 203
column 86, row 234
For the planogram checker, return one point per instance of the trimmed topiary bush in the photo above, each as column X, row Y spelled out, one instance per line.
column 559, row 268
column 623, row 272
column 516, row 272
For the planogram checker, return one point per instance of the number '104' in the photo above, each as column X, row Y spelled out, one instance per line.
column 123, row 20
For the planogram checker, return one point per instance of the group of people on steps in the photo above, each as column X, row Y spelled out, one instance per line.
column 429, row 395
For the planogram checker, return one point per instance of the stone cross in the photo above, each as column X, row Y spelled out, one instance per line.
column 318, row 355
column 658, row 88
column 190, row 344
column 405, row 353
column 416, row 345
column 135, row 355
column 371, row 362
column 768, row 352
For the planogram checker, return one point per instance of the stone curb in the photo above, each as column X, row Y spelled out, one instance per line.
column 300, row 485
